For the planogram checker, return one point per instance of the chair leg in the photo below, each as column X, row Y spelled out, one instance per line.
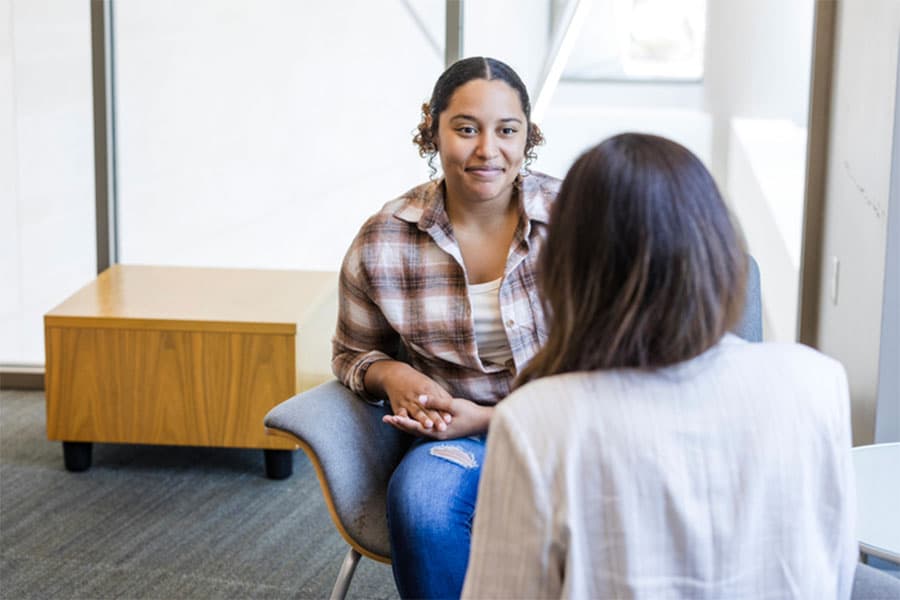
column 348, row 567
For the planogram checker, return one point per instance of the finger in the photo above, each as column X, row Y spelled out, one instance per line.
column 438, row 420
column 428, row 418
column 407, row 425
column 423, row 419
column 404, row 423
column 409, row 408
column 443, row 403
column 441, row 417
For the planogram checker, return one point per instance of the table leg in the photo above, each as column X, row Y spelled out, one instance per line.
column 77, row 455
column 279, row 463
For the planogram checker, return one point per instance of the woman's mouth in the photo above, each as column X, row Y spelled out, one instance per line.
column 485, row 171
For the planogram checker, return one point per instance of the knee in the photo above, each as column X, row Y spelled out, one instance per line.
column 413, row 513
column 435, row 489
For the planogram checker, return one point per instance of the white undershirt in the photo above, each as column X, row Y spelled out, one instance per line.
column 490, row 336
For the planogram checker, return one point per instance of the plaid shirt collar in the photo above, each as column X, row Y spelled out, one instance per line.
column 428, row 209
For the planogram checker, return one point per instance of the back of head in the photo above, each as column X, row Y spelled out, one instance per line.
column 642, row 267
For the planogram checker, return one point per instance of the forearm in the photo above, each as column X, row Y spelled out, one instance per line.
column 350, row 367
column 379, row 374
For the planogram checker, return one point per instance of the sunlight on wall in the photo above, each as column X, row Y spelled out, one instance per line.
column 766, row 172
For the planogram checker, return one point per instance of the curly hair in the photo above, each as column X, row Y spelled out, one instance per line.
column 458, row 74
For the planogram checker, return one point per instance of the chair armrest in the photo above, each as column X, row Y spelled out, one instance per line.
column 354, row 454
column 750, row 325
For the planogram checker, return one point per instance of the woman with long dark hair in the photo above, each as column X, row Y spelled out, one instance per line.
column 648, row 453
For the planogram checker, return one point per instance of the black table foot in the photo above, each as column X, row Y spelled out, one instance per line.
column 77, row 455
column 279, row 463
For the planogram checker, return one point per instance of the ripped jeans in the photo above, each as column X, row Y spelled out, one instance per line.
column 431, row 504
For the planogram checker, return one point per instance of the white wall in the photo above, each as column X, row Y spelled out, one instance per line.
column 856, row 196
column 765, row 191
column 887, row 413
column 572, row 129
column 47, row 247
column 758, row 60
column 9, row 176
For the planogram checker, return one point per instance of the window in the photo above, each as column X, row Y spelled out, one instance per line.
column 640, row 40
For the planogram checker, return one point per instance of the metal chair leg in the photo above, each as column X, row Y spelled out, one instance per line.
column 348, row 567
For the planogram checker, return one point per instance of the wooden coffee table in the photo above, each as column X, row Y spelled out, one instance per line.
column 185, row 356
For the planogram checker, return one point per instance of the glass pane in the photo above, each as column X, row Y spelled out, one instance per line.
column 47, row 247
column 641, row 39
column 262, row 134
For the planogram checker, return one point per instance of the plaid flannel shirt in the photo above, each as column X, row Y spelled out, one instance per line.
column 403, row 294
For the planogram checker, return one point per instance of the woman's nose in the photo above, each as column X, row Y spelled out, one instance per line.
column 487, row 145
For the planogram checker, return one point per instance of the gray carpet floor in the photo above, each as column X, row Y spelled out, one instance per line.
column 161, row 522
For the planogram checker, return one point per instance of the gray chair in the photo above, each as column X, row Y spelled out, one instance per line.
column 871, row 584
column 354, row 453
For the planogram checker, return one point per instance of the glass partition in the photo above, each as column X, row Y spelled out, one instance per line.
column 262, row 134
column 47, row 247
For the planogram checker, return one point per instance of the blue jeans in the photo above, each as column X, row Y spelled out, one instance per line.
column 431, row 504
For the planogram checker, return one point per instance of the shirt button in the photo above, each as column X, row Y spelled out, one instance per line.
column 510, row 323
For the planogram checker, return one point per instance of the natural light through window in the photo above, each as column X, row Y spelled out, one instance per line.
column 641, row 40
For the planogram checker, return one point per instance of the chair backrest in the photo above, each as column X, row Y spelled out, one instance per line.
column 750, row 325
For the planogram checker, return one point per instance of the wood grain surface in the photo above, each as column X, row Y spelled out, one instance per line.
column 191, row 298
column 185, row 356
column 166, row 387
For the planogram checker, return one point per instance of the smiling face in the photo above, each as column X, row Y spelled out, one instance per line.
column 481, row 141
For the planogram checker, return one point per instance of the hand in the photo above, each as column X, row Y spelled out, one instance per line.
column 468, row 418
column 408, row 390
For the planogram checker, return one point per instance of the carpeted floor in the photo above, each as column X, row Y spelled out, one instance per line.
column 161, row 522
column 164, row 522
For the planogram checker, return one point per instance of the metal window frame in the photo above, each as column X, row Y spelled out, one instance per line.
column 106, row 206
column 818, row 132
column 453, row 32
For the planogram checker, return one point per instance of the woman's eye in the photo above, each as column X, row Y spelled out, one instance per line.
column 509, row 131
column 466, row 130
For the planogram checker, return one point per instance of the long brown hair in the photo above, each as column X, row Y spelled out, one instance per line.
column 642, row 267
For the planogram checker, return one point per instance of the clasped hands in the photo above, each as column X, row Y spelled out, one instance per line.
column 422, row 407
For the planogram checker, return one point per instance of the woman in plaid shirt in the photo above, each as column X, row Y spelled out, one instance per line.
column 438, row 310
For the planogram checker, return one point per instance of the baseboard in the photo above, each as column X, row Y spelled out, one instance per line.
column 21, row 380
